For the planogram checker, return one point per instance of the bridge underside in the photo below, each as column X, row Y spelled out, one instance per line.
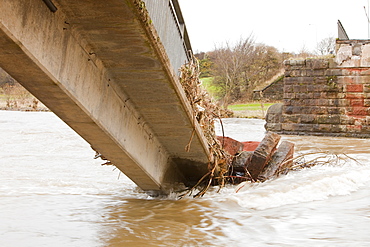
column 100, row 67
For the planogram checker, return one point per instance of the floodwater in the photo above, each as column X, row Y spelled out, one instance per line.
column 53, row 193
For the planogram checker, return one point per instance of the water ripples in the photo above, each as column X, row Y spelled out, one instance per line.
column 53, row 193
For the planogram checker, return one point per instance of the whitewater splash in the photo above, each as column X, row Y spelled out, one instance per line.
column 307, row 185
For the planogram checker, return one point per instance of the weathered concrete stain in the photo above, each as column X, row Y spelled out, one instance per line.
column 101, row 67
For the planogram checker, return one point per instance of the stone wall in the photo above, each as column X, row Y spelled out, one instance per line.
column 272, row 92
column 328, row 96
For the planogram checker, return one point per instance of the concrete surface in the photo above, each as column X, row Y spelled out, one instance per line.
column 100, row 67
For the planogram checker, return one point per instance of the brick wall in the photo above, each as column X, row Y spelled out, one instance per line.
column 327, row 96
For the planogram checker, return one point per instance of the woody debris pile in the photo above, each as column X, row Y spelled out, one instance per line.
column 234, row 162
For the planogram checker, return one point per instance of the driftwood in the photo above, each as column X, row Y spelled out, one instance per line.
column 239, row 161
column 261, row 161
column 261, row 156
column 281, row 160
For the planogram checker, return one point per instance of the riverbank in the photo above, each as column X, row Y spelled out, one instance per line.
column 16, row 98
column 13, row 97
column 31, row 104
column 250, row 110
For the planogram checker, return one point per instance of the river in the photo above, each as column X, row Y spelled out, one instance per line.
column 53, row 193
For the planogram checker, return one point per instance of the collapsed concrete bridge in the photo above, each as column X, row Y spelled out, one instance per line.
column 109, row 69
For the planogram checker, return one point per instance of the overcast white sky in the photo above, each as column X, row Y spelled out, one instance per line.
column 289, row 25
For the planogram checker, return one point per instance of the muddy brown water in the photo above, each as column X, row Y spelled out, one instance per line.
column 53, row 193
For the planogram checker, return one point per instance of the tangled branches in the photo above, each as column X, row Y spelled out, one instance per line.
column 309, row 160
column 205, row 112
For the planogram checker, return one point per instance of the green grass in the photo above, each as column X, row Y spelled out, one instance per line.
column 249, row 106
column 206, row 81
column 207, row 85
column 252, row 109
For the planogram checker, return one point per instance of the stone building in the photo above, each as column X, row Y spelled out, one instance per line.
column 326, row 96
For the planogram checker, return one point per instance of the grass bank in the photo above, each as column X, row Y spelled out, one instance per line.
column 245, row 110
column 209, row 87
column 250, row 110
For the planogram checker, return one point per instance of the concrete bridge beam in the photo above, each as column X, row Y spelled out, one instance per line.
column 96, row 66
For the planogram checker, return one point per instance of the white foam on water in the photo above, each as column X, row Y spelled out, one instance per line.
column 307, row 185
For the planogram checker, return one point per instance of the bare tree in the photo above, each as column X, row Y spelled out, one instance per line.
column 240, row 68
column 303, row 53
column 229, row 64
column 326, row 46
column 264, row 64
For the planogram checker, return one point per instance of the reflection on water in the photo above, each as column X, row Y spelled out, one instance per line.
column 141, row 222
column 53, row 193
